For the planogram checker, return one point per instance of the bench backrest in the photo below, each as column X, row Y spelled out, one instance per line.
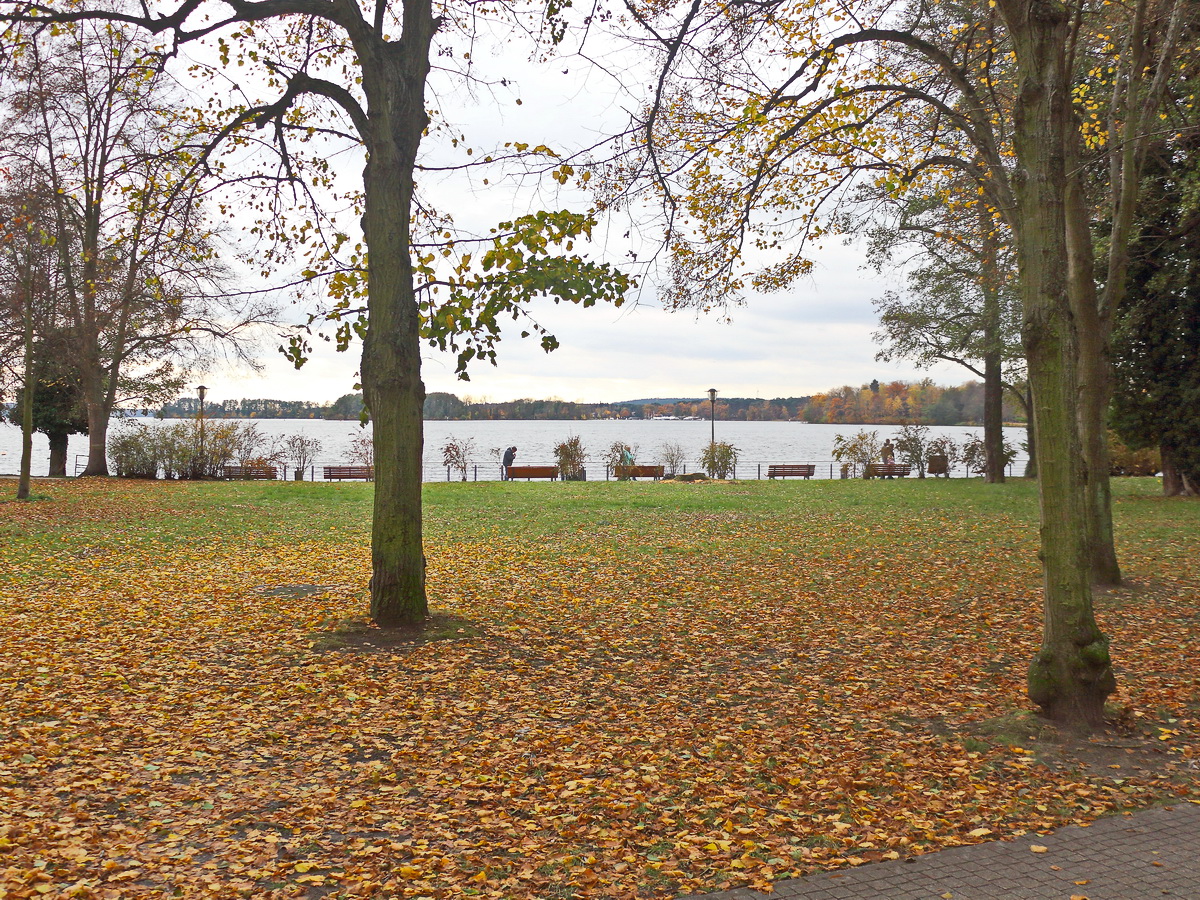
column 636, row 471
column 533, row 471
column 264, row 472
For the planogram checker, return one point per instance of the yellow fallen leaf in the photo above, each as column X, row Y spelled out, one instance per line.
column 1037, row 848
column 979, row 832
column 304, row 866
column 410, row 872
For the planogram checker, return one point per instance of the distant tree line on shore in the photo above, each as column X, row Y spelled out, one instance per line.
column 347, row 406
column 895, row 402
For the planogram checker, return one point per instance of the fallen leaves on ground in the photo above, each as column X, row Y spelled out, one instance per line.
column 680, row 702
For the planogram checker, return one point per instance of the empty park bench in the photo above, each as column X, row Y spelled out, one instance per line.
column 342, row 473
column 528, row 472
column 791, row 470
column 887, row 470
column 635, row 471
column 249, row 473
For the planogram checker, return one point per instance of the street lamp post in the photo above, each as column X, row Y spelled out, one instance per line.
column 202, row 391
column 712, row 404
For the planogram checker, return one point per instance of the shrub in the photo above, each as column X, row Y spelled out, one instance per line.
column 673, row 458
column 362, row 449
column 912, row 447
column 858, row 450
column 1123, row 461
column 570, row 456
column 301, row 451
column 456, row 454
column 133, row 450
column 974, row 455
column 616, row 454
column 719, row 459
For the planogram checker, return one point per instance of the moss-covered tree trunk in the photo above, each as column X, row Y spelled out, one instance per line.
column 1071, row 675
column 394, row 83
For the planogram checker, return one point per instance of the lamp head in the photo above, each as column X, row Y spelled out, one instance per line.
column 202, row 390
column 712, row 395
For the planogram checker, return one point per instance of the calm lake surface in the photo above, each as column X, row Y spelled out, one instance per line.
column 759, row 443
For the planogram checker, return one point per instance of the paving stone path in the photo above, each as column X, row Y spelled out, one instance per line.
column 1150, row 854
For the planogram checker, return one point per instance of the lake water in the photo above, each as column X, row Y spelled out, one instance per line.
column 759, row 443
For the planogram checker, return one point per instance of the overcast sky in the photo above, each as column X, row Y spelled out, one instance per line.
column 812, row 337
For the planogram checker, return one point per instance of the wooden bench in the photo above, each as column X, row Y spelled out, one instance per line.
column 249, row 473
column 791, row 471
column 887, row 470
column 528, row 472
column 635, row 471
column 341, row 473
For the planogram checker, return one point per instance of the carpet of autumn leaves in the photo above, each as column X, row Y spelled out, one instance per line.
column 666, row 688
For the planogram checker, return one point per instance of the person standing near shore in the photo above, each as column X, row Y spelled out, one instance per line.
column 509, row 455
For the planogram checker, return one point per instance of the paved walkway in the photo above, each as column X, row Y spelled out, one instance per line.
column 1151, row 854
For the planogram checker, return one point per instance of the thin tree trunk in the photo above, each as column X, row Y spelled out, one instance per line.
column 23, row 483
column 993, row 383
column 1095, row 384
column 993, row 418
column 391, row 365
column 1031, row 467
column 1071, row 675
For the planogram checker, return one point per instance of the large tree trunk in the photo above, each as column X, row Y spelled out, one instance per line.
column 391, row 366
column 1071, row 675
column 97, row 413
column 58, row 454
column 1175, row 482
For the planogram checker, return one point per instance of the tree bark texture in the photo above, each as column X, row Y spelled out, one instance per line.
column 1071, row 675
column 1031, row 467
column 394, row 83
column 97, row 412
column 1095, row 380
column 993, row 417
column 23, row 482
column 58, row 454
column 993, row 379
column 1175, row 481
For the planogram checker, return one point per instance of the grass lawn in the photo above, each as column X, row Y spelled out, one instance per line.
column 650, row 689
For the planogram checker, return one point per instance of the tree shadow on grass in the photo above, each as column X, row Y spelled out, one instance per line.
column 358, row 634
